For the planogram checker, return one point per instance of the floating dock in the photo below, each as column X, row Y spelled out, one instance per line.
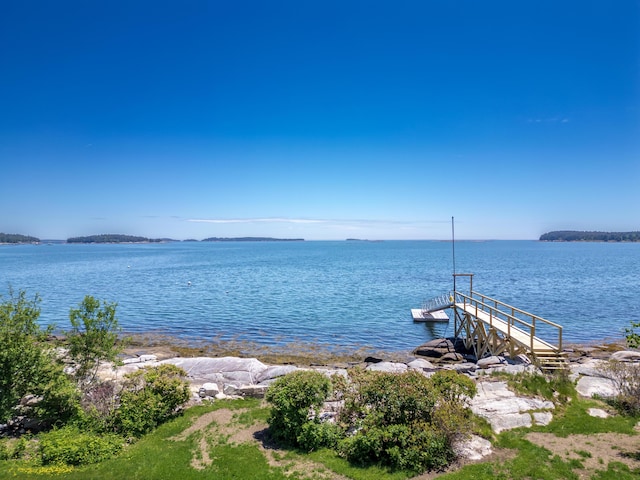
column 419, row 315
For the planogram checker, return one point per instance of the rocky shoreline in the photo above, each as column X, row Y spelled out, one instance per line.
column 213, row 377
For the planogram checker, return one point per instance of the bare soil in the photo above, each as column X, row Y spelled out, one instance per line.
column 221, row 424
column 593, row 451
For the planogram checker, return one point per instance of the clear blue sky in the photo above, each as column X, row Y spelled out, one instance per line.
column 319, row 119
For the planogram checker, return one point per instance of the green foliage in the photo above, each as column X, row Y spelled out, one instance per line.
column 28, row 366
column 315, row 435
column 453, row 387
column 295, row 401
column 17, row 238
column 406, row 421
column 632, row 337
column 93, row 337
column 577, row 236
column 150, row 397
column 70, row 446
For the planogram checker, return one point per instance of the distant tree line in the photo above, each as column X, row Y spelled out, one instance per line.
column 252, row 239
column 16, row 238
column 111, row 238
column 576, row 236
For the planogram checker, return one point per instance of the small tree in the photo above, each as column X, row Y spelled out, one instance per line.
column 633, row 337
column 93, row 337
column 28, row 365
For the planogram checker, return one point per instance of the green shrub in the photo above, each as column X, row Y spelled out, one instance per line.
column 415, row 447
column 632, row 337
column 406, row 421
column 315, row 435
column 150, row 397
column 70, row 446
column 453, row 387
column 295, row 401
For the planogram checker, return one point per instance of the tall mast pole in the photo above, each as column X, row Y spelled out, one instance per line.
column 453, row 250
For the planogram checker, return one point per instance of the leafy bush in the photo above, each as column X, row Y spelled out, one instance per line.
column 453, row 387
column 150, row 397
column 415, row 447
column 71, row 446
column 295, row 402
column 395, row 415
column 315, row 435
column 632, row 337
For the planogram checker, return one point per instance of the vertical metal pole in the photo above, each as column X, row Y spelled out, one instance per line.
column 453, row 250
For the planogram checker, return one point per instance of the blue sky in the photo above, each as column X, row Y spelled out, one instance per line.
column 319, row 119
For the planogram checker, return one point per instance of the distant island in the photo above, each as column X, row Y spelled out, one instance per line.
column 116, row 238
column 577, row 236
column 252, row 239
column 16, row 238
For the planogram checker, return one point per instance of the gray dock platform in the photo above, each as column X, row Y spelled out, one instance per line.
column 438, row 316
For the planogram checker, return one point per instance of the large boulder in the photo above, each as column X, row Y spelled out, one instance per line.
column 590, row 386
column 504, row 410
column 240, row 371
column 626, row 356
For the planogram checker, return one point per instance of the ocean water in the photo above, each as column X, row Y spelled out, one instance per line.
column 348, row 294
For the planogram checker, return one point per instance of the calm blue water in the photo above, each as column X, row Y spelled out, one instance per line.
column 347, row 294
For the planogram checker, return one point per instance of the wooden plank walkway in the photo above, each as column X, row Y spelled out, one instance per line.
column 495, row 328
column 523, row 338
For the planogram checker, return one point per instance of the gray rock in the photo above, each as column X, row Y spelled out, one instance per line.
column 503, row 409
column 390, row 367
column 590, row 386
column 597, row 412
column 473, row 448
column 140, row 359
column 233, row 369
column 210, row 389
column 626, row 356
column 275, row 371
column 542, row 418
column 451, row 357
column 421, row 364
column 253, row 391
column 509, row 421
column 466, row 367
column 591, row 368
column 491, row 361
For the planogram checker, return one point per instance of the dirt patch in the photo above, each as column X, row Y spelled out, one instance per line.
column 593, row 451
column 221, row 425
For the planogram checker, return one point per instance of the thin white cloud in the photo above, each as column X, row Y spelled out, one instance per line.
column 549, row 120
column 254, row 220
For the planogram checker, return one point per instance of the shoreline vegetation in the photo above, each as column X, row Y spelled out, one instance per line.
column 12, row 238
column 579, row 236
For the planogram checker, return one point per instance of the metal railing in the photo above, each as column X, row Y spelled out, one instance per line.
column 510, row 315
column 438, row 303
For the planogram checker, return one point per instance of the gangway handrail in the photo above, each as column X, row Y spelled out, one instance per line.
column 509, row 318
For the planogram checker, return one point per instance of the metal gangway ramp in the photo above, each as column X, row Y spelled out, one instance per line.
column 491, row 327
